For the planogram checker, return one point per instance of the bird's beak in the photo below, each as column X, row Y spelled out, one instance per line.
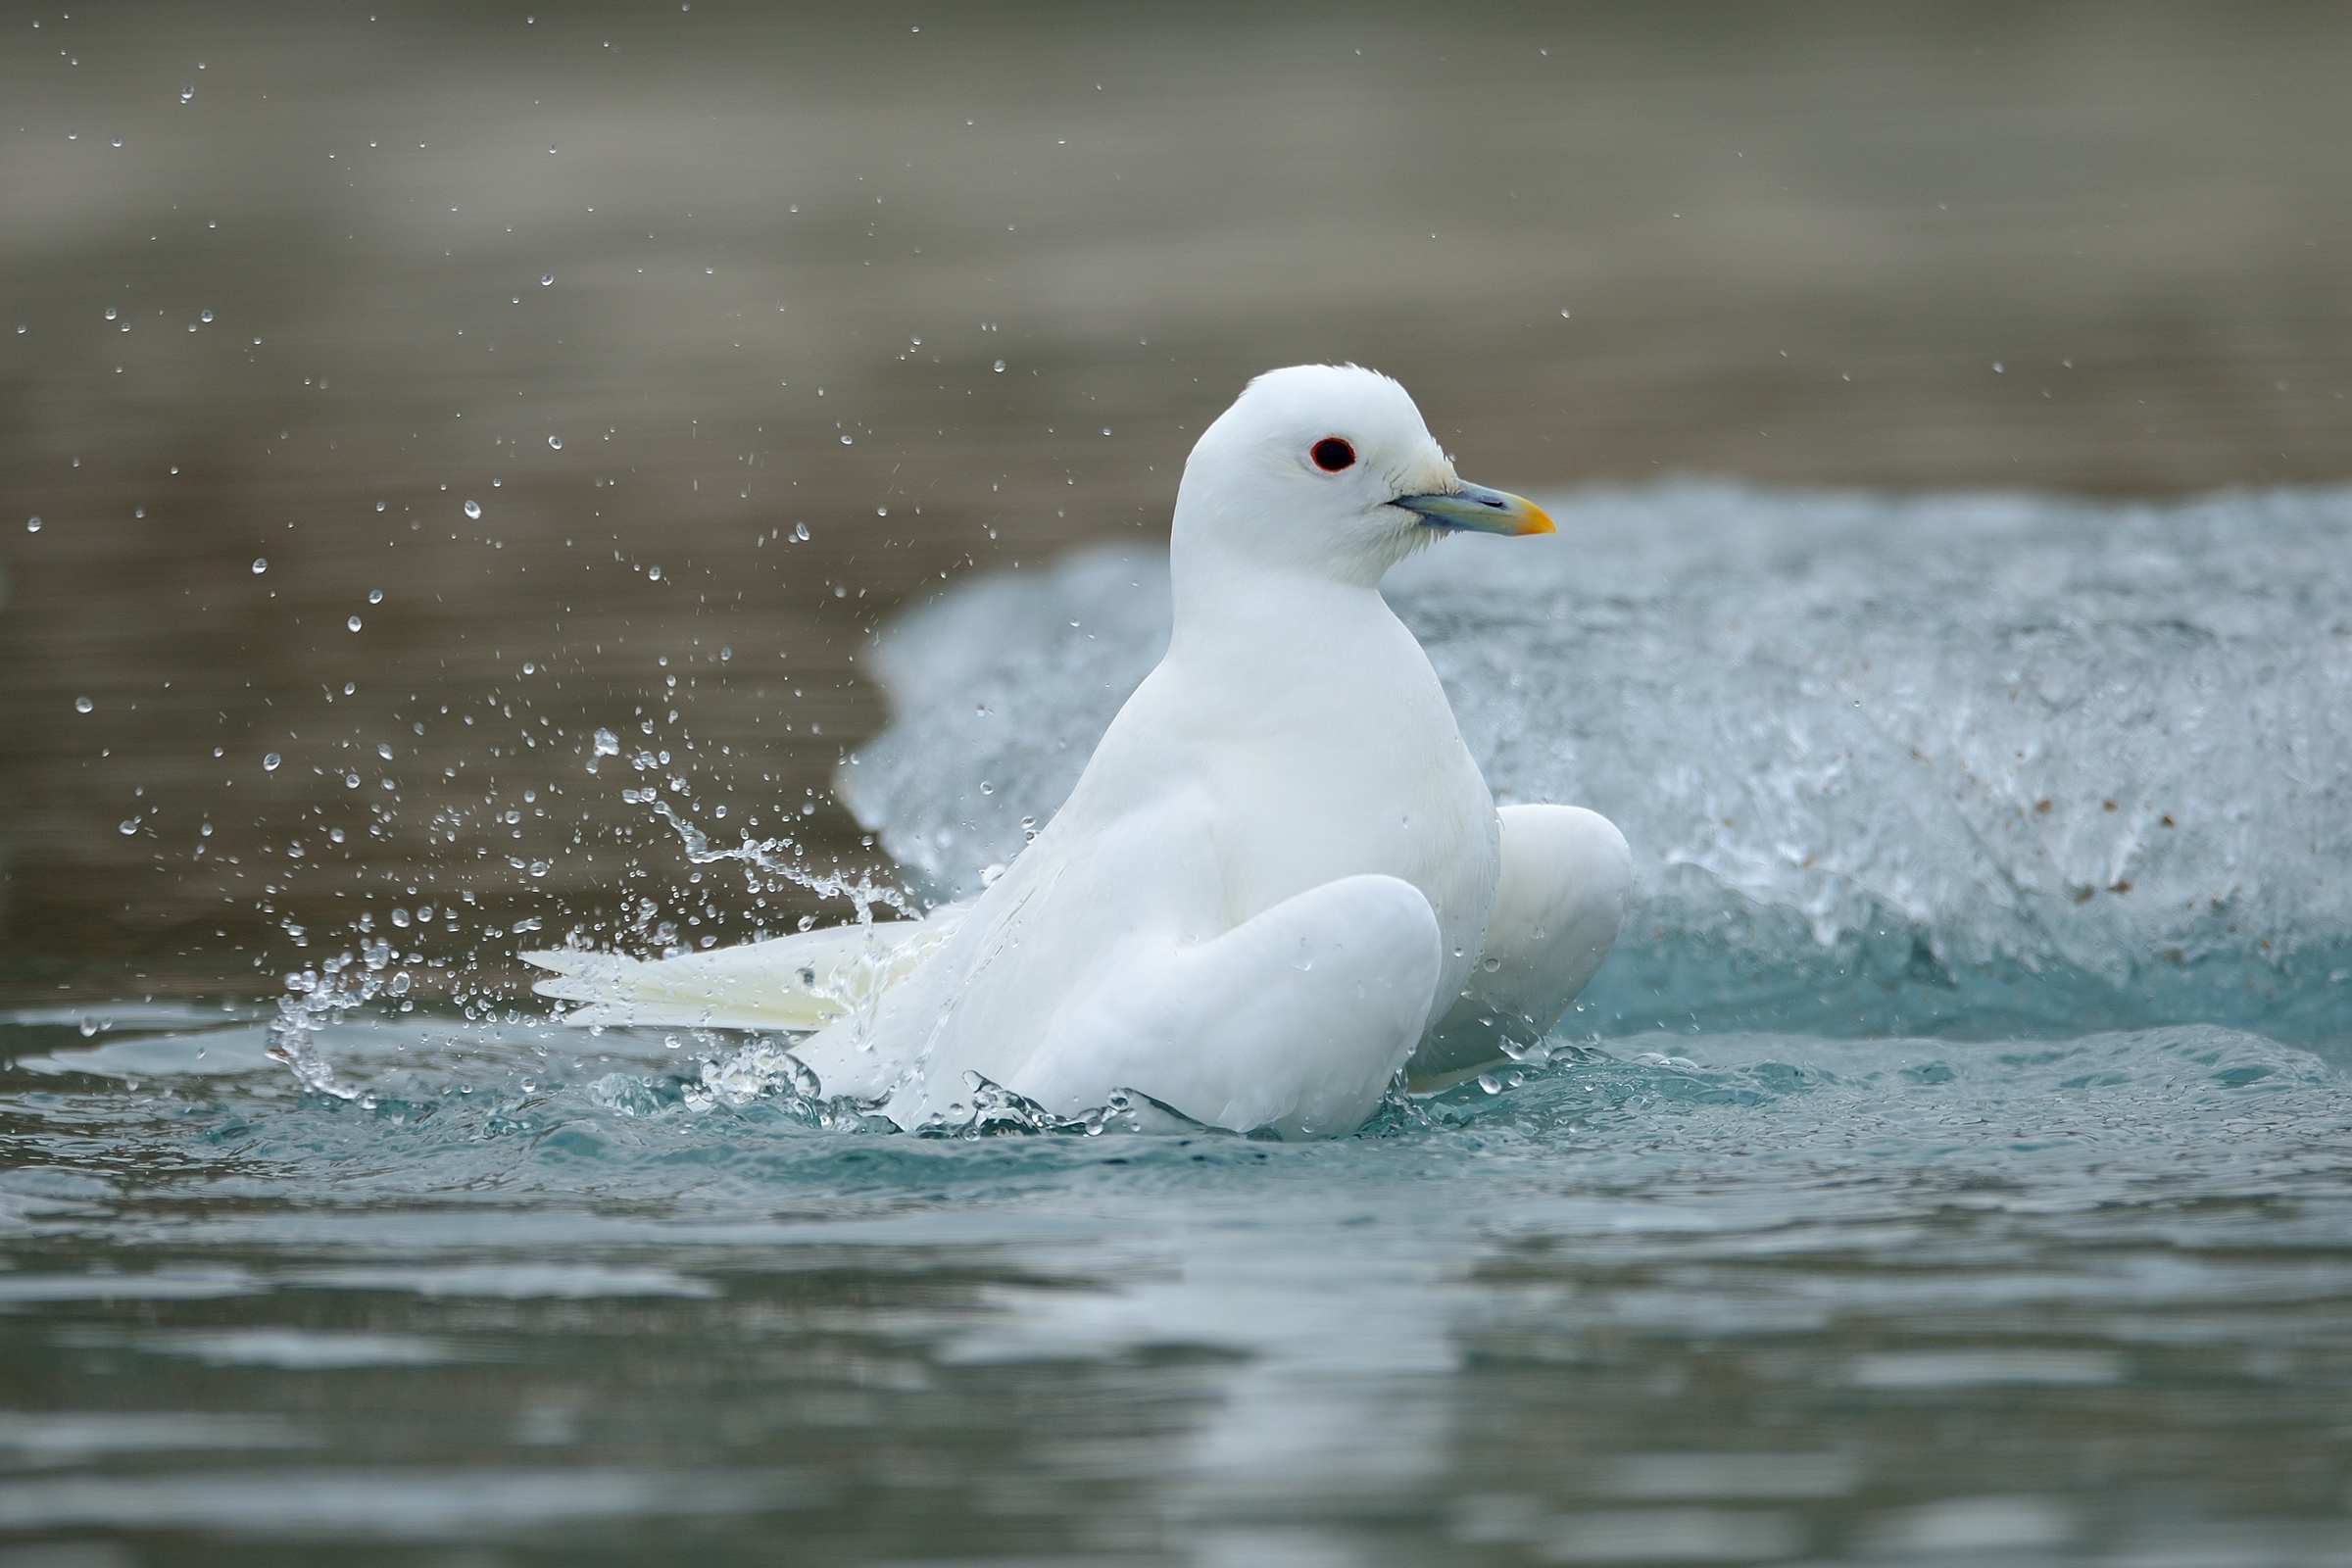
column 1476, row 508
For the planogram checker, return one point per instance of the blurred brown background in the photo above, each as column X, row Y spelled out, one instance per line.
column 952, row 287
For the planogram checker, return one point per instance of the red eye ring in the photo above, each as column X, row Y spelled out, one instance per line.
column 1331, row 455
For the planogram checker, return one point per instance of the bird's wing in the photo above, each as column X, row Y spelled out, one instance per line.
column 1557, row 906
column 796, row 983
column 1295, row 1021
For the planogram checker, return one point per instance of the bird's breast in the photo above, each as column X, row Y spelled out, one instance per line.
column 1344, row 792
column 1319, row 746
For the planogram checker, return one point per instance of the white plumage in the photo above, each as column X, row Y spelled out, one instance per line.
column 1280, row 878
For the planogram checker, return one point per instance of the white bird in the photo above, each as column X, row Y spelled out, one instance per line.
column 1281, row 879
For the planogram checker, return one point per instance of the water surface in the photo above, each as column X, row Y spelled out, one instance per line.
column 1784, row 1297
column 1886, row 1199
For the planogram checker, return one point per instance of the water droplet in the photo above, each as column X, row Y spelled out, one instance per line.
column 269, row 763
column 83, row 705
column 118, row 142
column 384, row 749
column 261, row 564
column 844, row 440
column 986, row 788
column 353, row 623
column 1489, row 965
column 204, row 316
column 129, row 825
column 187, row 93
column 800, row 530
column 999, row 366
column 474, row 510
column 607, row 743
column 546, row 278
column 32, row 526
column 351, row 781
column 653, row 573
column 110, row 312
column 400, row 917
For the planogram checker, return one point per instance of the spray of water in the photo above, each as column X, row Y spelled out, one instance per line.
column 317, row 998
column 768, row 864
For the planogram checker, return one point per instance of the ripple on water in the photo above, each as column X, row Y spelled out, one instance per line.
column 1728, row 1297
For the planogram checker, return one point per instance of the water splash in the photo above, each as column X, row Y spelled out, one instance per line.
column 1961, row 764
column 990, row 1110
column 317, row 998
column 769, row 865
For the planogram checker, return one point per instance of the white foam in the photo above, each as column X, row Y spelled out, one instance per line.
column 1829, row 724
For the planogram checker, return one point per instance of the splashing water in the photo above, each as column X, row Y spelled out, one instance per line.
column 1970, row 763
column 773, row 859
column 318, row 996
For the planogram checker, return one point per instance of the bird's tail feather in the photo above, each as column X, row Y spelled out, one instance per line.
column 795, row 983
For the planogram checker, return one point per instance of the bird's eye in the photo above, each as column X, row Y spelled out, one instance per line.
column 1331, row 455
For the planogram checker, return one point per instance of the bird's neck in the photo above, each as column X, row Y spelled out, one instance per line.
column 1227, row 608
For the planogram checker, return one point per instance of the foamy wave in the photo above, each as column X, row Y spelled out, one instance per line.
column 1964, row 763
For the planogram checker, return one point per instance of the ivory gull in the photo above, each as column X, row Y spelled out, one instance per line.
column 1281, row 879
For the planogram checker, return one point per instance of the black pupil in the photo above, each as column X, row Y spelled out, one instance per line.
column 1333, row 454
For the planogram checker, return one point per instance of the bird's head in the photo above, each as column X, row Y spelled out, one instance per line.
column 1329, row 468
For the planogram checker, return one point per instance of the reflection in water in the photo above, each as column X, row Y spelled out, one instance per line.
column 1330, row 1339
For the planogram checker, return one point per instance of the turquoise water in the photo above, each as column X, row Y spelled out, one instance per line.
column 563, row 1299
column 1894, row 1198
